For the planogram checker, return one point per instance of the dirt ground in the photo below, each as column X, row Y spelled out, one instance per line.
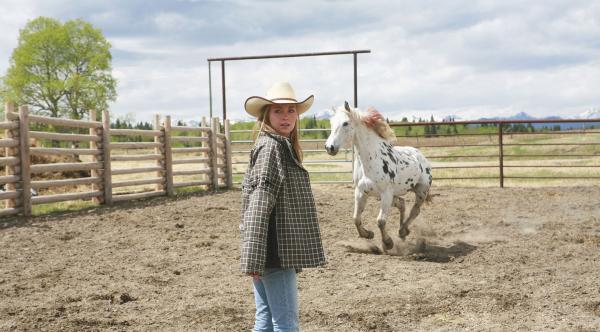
column 482, row 259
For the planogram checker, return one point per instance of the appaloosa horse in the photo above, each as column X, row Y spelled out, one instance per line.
column 380, row 169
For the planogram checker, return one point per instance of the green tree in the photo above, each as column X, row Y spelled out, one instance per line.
column 60, row 69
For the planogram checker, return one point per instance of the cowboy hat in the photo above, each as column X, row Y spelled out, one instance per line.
column 279, row 93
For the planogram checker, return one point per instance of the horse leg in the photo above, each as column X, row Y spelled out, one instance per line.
column 360, row 200
column 386, row 203
column 399, row 203
column 420, row 196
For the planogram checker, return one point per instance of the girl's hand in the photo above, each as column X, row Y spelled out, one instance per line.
column 254, row 275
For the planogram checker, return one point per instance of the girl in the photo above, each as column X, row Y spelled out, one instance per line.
column 280, row 231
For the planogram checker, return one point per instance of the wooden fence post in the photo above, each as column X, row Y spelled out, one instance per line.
column 10, row 152
column 157, row 150
column 25, row 160
column 228, row 162
column 107, row 178
column 168, row 156
column 204, row 123
column 501, row 155
column 95, row 158
column 214, row 154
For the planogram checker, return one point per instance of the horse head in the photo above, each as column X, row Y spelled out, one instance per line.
column 342, row 129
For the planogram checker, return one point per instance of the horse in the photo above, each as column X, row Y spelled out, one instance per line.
column 380, row 168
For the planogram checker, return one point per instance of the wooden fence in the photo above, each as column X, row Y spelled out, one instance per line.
column 114, row 166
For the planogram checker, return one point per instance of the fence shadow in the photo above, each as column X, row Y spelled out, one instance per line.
column 40, row 220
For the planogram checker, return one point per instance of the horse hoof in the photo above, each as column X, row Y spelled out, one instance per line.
column 370, row 235
column 403, row 233
column 388, row 244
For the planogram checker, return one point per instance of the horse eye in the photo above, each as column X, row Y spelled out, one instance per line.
column 345, row 124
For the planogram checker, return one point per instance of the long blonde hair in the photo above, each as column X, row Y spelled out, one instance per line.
column 264, row 124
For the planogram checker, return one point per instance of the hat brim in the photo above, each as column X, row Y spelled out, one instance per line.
column 255, row 104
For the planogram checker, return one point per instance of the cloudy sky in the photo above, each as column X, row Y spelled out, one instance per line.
column 465, row 58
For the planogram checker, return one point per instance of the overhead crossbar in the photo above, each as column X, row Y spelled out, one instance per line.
column 274, row 56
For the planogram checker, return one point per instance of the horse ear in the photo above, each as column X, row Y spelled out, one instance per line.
column 333, row 109
column 347, row 106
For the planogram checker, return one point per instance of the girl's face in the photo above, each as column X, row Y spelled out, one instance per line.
column 283, row 118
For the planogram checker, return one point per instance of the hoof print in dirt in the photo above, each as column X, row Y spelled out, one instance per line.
column 204, row 244
column 179, row 225
column 222, row 208
column 123, row 298
column 67, row 236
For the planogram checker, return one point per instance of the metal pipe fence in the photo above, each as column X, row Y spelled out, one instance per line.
column 315, row 157
column 560, row 139
column 550, row 150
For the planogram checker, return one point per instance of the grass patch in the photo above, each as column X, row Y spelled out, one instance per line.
column 60, row 207
column 190, row 190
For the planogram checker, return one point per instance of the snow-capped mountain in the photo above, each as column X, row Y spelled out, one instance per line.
column 591, row 114
column 323, row 114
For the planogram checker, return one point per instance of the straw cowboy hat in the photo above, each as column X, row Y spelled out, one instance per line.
column 279, row 93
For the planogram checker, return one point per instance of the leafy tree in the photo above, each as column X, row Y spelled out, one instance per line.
column 60, row 69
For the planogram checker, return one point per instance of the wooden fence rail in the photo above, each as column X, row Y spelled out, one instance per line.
column 109, row 167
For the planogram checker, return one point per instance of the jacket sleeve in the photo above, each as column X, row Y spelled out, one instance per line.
column 266, row 179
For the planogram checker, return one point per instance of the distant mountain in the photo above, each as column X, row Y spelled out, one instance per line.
column 591, row 114
column 518, row 116
column 324, row 114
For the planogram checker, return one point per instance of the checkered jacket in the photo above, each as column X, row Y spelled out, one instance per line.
column 276, row 182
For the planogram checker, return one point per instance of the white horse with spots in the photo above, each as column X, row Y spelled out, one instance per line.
column 380, row 169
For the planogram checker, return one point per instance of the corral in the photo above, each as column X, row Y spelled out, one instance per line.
column 493, row 259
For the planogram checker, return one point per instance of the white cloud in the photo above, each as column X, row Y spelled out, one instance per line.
column 177, row 22
column 466, row 58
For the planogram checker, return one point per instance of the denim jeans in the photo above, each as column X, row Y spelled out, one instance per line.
column 276, row 296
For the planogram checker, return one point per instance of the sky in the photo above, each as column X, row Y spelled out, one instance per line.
column 467, row 59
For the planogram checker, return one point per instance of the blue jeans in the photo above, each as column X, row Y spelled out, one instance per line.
column 276, row 296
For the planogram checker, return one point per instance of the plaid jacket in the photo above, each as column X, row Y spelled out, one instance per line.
column 276, row 181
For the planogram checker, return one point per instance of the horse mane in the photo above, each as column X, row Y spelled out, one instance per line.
column 374, row 120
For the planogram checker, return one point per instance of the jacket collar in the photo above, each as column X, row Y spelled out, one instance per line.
column 286, row 141
column 277, row 137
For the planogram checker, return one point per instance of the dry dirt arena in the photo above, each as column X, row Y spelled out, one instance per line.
column 487, row 259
